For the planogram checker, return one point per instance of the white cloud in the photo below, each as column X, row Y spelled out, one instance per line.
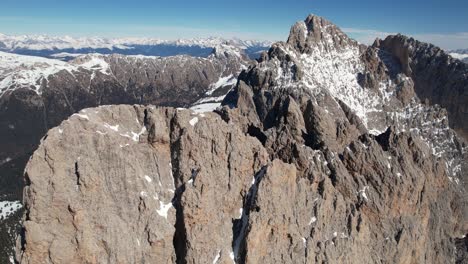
column 448, row 41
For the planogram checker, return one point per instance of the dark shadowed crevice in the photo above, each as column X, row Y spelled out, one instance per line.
column 240, row 226
column 44, row 116
column 180, row 235
column 461, row 247
column 312, row 141
column 398, row 235
column 145, row 118
column 384, row 139
column 21, row 231
column 256, row 132
column 77, row 174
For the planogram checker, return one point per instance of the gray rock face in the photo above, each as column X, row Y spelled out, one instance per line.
column 322, row 153
column 160, row 181
column 437, row 76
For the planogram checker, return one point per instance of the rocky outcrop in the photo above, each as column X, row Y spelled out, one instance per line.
column 437, row 77
column 318, row 33
column 129, row 184
column 364, row 89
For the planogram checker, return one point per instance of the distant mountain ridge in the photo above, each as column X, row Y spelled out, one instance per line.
column 461, row 54
column 68, row 47
column 460, row 51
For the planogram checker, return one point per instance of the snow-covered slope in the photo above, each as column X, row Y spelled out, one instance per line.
column 8, row 208
column 22, row 71
column 18, row 71
column 327, row 68
column 459, row 56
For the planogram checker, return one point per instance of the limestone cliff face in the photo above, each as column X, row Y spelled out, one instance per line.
column 168, row 187
column 130, row 184
column 322, row 153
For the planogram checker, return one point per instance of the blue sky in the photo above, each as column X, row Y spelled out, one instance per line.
column 444, row 23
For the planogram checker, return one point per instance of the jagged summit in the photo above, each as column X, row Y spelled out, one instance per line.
column 316, row 32
column 372, row 87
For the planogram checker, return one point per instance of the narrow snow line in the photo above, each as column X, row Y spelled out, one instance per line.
column 215, row 260
column 82, row 116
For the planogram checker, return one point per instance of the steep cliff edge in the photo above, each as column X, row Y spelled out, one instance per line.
column 437, row 77
column 170, row 178
column 129, row 184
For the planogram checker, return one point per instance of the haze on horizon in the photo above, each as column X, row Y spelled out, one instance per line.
column 442, row 23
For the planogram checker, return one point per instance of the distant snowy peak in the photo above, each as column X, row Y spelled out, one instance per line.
column 44, row 42
column 202, row 42
column 459, row 51
column 18, row 71
column 34, row 73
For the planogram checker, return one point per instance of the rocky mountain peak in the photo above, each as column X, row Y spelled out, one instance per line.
column 317, row 33
column 347, row 90
column 324, row 151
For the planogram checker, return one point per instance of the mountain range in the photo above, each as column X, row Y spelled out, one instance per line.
column 67, row 48
column 322, row 150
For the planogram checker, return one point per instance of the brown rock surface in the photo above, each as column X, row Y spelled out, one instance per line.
column 100, row 186
column 111, row 199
